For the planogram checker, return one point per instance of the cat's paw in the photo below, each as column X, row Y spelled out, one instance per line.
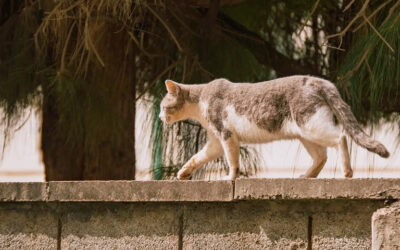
column 184, row 174
column 228, row 178
column 303, row 176
column 348, row 174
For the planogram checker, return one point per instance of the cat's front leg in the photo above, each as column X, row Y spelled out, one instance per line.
column 211, row 151
column 230, row 145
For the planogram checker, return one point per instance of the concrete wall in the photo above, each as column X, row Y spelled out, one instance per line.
column 246, row 214
column 386, row 228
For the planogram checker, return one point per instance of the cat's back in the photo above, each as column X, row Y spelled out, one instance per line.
column 284, row 87
column 222, row 88
column 285, row 83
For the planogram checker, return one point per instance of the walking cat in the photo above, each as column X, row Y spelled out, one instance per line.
column 297, row 107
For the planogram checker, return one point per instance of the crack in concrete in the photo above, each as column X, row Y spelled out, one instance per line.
column 47, row 194
column 309, row 233
column 59, row 228
column 180, row 230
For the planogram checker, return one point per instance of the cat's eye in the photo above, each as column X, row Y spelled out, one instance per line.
column 169, row 109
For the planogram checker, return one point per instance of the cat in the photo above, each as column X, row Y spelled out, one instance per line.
column 297, row 107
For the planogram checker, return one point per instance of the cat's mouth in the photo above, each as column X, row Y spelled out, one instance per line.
column 165, row 119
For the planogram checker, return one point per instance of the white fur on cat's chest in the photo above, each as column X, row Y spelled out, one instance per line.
column 249, row 132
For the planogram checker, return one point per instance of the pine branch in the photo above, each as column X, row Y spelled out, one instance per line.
column 263, row 51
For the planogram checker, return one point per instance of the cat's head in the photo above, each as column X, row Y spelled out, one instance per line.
column 171, row 107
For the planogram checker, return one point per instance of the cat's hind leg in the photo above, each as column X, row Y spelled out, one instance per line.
column 322, row 131
column 345, row 157
column 211, row 151
column 230, row 145
column 319, row 156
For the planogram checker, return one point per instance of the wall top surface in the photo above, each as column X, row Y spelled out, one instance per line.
column 200, row 191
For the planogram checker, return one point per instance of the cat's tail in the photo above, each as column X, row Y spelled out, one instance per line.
column 349, row 122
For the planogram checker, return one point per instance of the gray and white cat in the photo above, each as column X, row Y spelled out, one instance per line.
column 298, row 107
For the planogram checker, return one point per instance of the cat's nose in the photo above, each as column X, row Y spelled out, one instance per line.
column 161, row 116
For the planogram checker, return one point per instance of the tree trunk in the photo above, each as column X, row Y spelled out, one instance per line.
column 108, row 155
column 64, row 161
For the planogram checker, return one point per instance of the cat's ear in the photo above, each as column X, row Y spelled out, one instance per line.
column 172, row 87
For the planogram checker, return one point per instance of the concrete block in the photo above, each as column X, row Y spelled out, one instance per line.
column 248, row 189
column 141, row 191
column 342, row 224
column 27, row 226
column 23, row 191
column 386, row 228
column 249, row 225
column 120, row 226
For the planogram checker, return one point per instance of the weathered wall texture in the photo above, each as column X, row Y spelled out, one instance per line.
column 27, row 226
column 386, row 228
column 247, row 214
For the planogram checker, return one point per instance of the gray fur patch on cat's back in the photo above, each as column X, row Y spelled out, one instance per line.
column 305, row 99
column 269, row 104
column 264, row 104
column 267, row 109
column 215, row 95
